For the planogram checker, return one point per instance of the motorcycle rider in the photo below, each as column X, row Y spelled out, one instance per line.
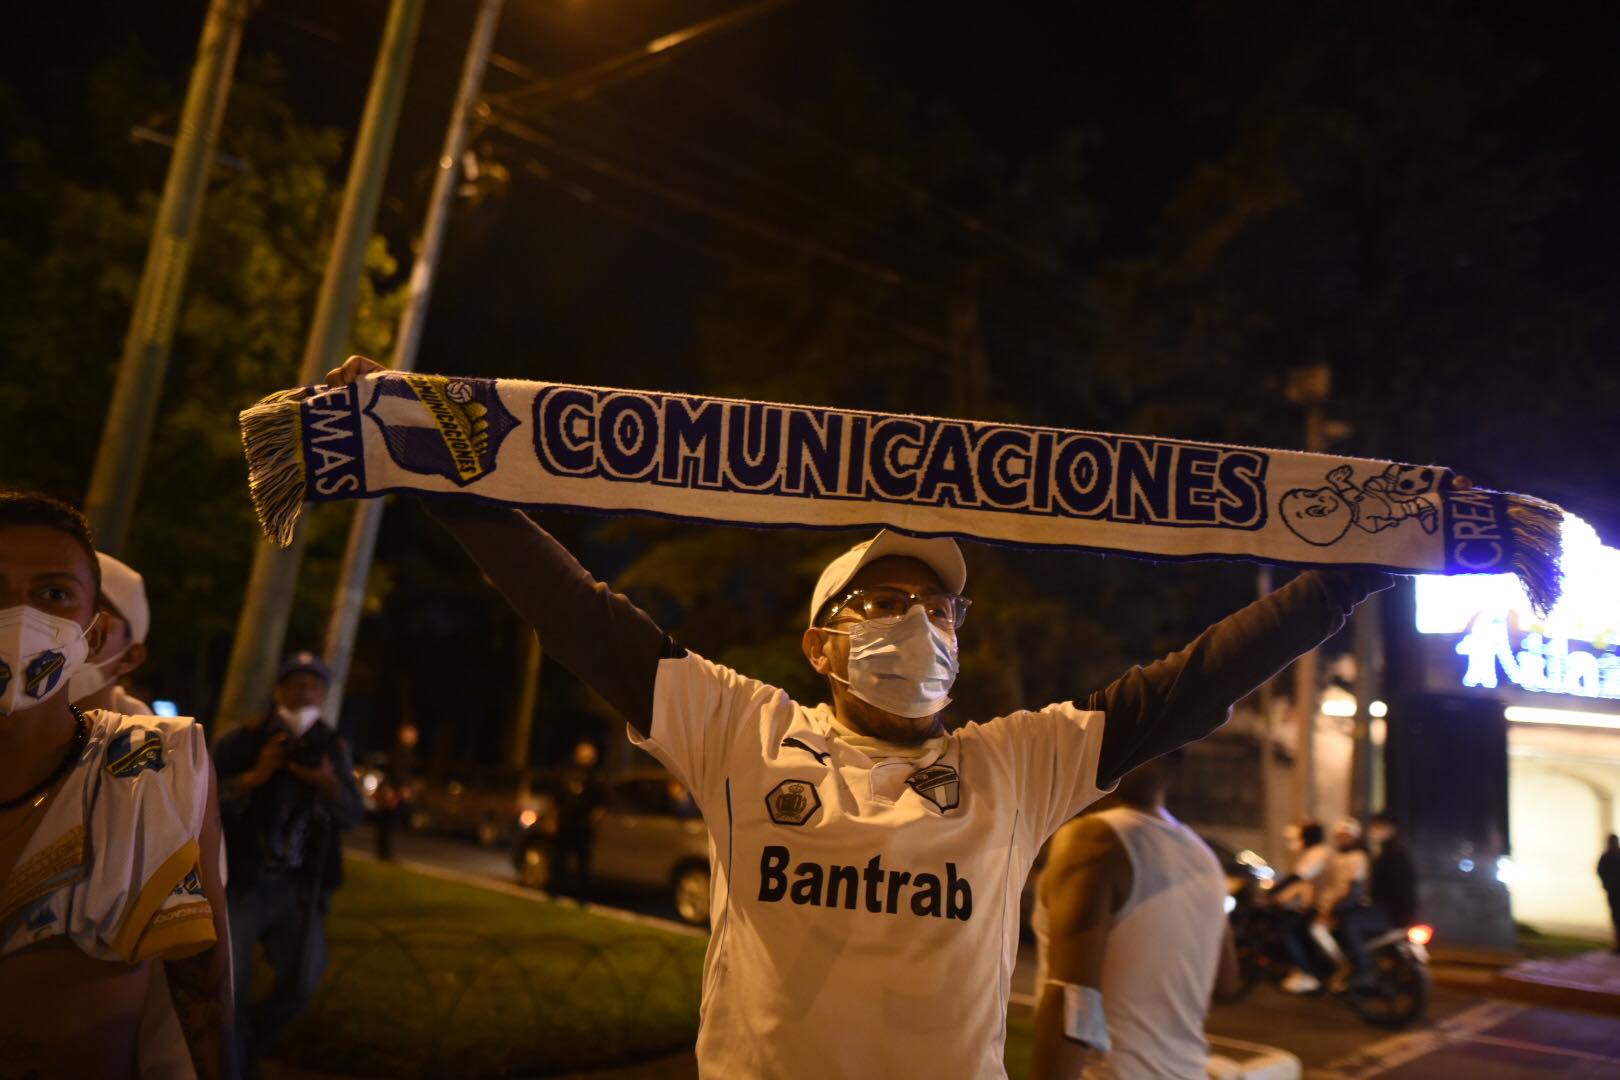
column 1392, row 895
column 1341, row 894
column 1297, row 893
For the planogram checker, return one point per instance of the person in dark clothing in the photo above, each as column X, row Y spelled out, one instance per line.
column 1392, row 895
column 581, row 795
column 395, row 797
column 1393, row 883
column 286, row 789
column 1608, row 872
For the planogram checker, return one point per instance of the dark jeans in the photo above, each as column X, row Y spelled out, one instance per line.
column 1296, row 940
column 1614, row 917
column 275, row 912
column 1356, row 925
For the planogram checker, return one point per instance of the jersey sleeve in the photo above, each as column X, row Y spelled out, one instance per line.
column 702, row 712
column 1052, row 755
column 144, row 897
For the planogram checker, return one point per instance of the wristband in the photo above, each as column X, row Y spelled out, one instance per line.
column 1083, row 1020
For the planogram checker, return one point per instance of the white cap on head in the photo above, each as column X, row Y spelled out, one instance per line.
column 125, row 592
column 940, row 554
column 1348, row 825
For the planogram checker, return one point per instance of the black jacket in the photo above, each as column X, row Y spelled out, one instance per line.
column 1393, row 883
column 282, row 823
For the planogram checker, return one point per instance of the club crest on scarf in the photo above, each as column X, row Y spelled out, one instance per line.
column 793, row 802
column 441, row 426
column 134, row 751
column 940, row 785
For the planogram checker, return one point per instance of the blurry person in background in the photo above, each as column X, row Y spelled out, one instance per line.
column 1393, row 885
column 287, row 788
column 581, row 795
column 113, row 933
column 1391, row 891
column 396, row 796
column 1608, row 872
column 124, row 610
column 1341, row 896
column 1297, row 892
column 1132, row 904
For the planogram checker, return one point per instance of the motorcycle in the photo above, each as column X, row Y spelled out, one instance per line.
column 1393, row 993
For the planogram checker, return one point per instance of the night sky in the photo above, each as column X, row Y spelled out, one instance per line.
column 561, row 272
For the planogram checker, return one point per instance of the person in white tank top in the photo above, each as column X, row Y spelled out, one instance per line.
column 1131, row 904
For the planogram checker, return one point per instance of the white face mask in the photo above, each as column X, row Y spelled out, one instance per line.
column 300, row 719
column 903, row 666
column 90, row 678
column 38, row 655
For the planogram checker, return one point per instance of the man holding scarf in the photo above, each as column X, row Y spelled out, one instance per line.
column 868, row 862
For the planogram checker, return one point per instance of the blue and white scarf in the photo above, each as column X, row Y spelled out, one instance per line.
column 700, row 458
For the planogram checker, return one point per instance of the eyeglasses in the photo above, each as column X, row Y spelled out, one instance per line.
column 946, row 610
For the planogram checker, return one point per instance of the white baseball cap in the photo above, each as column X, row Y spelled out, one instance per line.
column 940, row 554
column 125, row 592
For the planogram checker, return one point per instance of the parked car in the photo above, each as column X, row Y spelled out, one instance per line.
column 493, row 806
column 649, row 836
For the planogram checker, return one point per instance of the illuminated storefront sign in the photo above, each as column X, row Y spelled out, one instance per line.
column 1500, row 644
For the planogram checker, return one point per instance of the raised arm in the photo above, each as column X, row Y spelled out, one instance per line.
column 606, row 641
column 609, row 643
column 1087, row 881
column 1152, row 710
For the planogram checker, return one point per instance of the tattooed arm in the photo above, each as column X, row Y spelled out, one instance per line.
column 200, row 985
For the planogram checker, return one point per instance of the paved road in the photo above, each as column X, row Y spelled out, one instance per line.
column 1470, row 1036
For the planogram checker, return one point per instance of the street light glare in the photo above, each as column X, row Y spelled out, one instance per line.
column 1526, row 714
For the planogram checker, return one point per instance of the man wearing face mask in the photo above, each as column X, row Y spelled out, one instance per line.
column 286, row 789
column 124, row 609
column 867, row 861
column 113, row 955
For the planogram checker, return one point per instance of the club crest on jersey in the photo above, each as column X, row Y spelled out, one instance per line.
column 940, row 785
column 190, row 885
column 42, row 674
column 793, row 802
column 40, row 916
column 133, row 751
column 442, row 426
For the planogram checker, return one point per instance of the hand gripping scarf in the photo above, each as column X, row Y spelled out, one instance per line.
column 552, row 445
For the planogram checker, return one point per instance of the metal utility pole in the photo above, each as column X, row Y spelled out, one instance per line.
column 522, row 729
column 263, row 623
column 1366, row 793
column 349, row 598
column 1308, row 387
column 116, row 478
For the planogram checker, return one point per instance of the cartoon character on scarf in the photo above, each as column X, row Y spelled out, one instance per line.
column 1323, row 515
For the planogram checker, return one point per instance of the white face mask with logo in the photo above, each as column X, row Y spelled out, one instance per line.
column 38, row 655
column 904, row 666
column 300, row 719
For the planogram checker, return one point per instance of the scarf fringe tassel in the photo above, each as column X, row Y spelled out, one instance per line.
column 272, row 440
column 1537, row 536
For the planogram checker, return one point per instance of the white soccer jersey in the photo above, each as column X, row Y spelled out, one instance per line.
column 865, row 917
column 113, row 864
